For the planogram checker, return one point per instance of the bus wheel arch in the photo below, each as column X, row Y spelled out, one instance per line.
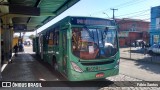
column 54, row 63
column 150, row 52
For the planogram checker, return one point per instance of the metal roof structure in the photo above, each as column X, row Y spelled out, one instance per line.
column 28, row 15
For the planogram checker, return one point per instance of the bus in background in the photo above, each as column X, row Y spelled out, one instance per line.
column 80, row 48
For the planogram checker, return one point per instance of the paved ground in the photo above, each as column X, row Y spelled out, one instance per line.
column 26, row 68
column 142, row 70
column 145, row 67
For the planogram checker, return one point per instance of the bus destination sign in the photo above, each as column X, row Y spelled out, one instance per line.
column 90, row 21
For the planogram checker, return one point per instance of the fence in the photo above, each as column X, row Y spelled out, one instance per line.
column 138, row 53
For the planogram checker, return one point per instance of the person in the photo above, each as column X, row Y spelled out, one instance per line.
column 135, row 43
column 15, row 49
column 143, row 44
column 145, row 49
column 21, row 47
column 29, row 43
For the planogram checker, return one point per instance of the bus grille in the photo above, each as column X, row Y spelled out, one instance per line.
column 97, row 63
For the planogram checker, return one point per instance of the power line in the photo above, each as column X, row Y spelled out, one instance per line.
column 129, row 3
column 134, row 12
column 128, row 21
column 143, row 20
column 138, row 15
column 135, row 16
column 135, row 2
column 122, row 4
column 106, row 14
column 125, row 3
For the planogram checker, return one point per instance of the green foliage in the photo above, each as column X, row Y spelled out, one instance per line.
column 31, row 37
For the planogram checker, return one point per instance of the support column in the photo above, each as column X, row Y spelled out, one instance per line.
column 6, row 39
column 20, row 39
column 11, row 42
column 0, row 52
column 20, row 35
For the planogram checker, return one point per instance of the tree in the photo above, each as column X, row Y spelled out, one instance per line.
column 31, row 36
column 16, row 36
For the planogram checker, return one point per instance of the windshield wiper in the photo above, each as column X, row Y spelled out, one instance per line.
column 89, row 32
column 102, row 38
column 104, row 32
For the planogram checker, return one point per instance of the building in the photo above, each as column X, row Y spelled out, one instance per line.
column 155, row 25
column 131, row 30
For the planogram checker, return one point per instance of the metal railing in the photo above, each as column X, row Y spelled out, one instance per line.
column 138, row 53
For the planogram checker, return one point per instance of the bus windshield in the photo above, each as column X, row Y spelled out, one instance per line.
column 94, row 43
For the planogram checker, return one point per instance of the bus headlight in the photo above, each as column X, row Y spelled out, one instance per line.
column 118, row 61
column 76, row 67
column 117, row 64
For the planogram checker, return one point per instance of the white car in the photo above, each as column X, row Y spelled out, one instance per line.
column 154, row 49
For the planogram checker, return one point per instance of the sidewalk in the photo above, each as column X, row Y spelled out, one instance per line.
column 25, row 68
column 5, row 64
column 17, row 69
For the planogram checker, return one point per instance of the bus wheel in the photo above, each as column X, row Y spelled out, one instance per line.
column 55, row 65
column 150, row 52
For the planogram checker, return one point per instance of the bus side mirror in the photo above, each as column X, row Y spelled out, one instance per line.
column 106, row 30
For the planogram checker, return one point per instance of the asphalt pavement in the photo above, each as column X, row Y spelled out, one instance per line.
column 26, row 67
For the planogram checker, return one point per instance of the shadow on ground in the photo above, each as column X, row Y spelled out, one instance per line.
column 148, row 65
column 90, row 83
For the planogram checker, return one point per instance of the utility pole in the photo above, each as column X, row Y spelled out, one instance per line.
column 113, row 11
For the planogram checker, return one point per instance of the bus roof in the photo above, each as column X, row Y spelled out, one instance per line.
column 81, row 20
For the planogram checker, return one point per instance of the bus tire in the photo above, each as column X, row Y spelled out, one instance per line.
column 150, row 52
column 54, row 63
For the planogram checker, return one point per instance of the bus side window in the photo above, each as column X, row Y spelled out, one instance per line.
column 47, row 37
column 50, row 41
column 56, row 38
column 76, row 38
column 74, row 41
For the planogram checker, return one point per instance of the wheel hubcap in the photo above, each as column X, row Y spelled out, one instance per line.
column 55, row 66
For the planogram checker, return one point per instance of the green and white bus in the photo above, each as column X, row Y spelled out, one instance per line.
column 80, row 48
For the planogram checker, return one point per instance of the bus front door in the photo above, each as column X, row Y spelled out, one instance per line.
column 64, row 51
column 41, row 46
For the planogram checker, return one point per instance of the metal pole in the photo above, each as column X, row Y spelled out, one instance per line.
column 113, row 11
column 36, row 32
column 130, row 47
column 11, row 41
column 0, row 52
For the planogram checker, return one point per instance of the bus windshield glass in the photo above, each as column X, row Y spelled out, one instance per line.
column 94, row 43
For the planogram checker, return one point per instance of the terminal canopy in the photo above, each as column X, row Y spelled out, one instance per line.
column 28, row 15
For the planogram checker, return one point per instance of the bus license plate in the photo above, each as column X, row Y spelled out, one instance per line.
column 99, row 75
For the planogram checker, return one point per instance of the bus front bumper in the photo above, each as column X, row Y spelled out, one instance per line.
column 77, row 76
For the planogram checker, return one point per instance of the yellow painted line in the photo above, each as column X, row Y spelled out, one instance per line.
column 3, row 67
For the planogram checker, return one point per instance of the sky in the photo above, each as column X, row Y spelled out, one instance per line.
column 134, row 9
